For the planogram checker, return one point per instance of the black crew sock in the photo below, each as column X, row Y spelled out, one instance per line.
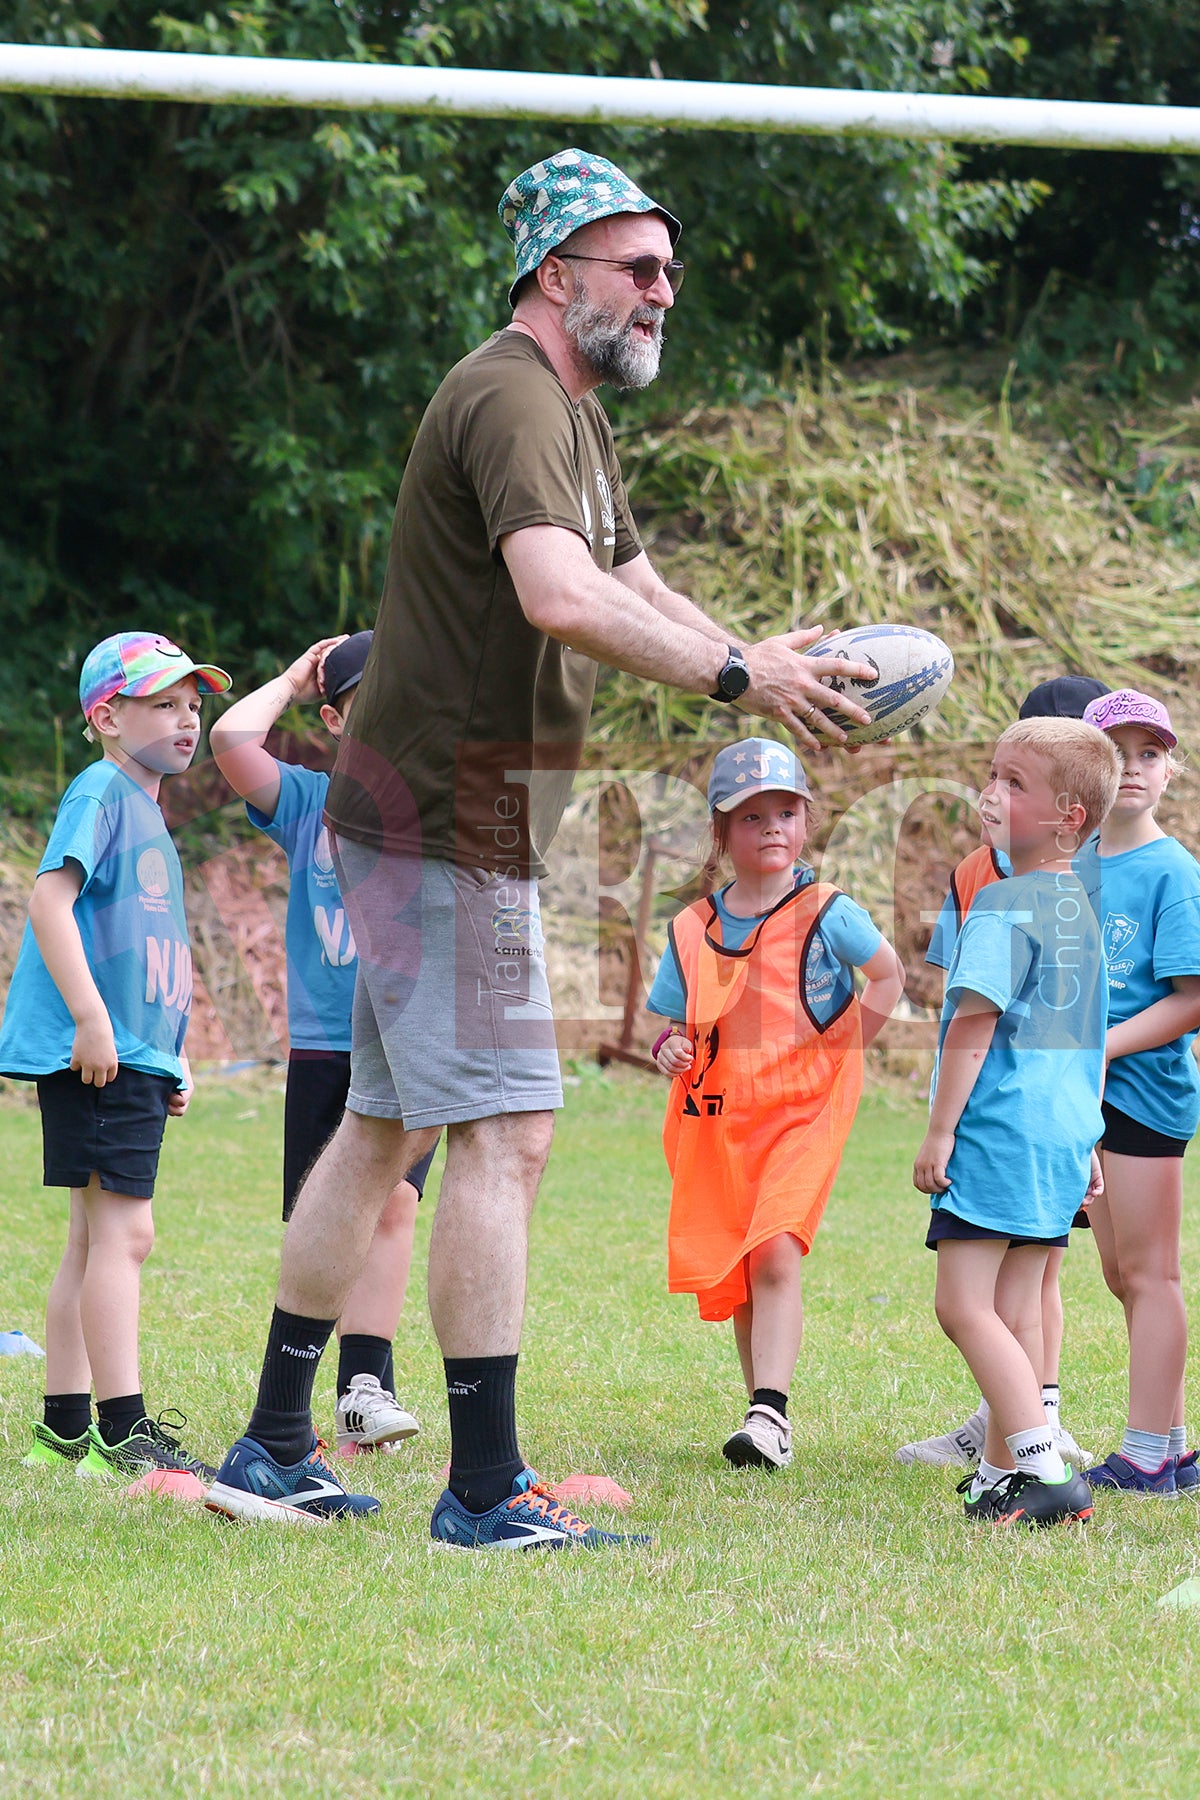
column 282, row 1418
column 118, row 1418
column 484, row 1458
column 67, row 1415
column 388, row 1378
column 359, row 1354
column 771, row 1397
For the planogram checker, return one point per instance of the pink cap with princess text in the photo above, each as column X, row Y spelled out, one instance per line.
column 1127, row 707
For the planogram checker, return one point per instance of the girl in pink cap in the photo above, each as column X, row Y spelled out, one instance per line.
column 1149, row 906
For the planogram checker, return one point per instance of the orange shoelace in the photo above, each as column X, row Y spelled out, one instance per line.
column 541, row 1500
column 318, row 1450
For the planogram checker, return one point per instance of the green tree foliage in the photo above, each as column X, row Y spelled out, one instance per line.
column 218, row 325
column 1108, row 270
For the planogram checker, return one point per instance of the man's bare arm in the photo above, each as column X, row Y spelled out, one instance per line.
column 564, row 594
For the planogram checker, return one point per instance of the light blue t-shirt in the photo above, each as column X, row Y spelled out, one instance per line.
column 1022, row 1153
column 321, row 955
column 848, row 933
column 1149, row 908
column 948, row 924
column 132, row 922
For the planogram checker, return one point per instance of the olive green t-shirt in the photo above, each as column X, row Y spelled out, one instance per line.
column 469, row 723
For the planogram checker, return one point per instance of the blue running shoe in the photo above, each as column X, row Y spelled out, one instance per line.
column 532, row 1519
column 1187, row 1475
column 250, row 1484
column 1116, row 1471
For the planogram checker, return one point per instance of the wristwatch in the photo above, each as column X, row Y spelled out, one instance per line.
column 734, row 678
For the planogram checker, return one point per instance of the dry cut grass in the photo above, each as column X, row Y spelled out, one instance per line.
column 1034, row 542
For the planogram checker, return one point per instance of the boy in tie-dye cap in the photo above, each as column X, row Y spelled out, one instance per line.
column 96, row 1016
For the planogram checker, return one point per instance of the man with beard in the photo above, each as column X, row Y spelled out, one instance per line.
column 514, row 568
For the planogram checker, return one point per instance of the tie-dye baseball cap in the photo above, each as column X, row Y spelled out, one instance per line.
column 137, row 663
column 547, row 202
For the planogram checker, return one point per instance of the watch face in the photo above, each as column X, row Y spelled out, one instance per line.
column 735, row 679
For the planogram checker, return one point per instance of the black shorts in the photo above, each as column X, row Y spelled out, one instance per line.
column 945, row 1225
column 114, row 1131
column 1124, row 1136
column 317, row 1084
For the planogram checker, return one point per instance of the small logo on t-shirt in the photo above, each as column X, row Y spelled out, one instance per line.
column 1119, row 933
column 322, row 854
column 152, row 873
column 608, row 518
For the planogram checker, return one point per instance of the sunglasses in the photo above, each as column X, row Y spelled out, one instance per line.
column 644, row 269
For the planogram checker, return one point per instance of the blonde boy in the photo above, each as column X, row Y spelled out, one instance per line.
column 96, row 1015
column 1015, row 1115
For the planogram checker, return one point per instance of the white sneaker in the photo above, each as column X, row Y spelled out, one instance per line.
column 764, row 1442
column 367, row 1415
column 962, row 1446
column 1069, row 1450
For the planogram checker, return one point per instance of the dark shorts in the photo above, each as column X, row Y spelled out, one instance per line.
column 317, row 1084
column 114, row 1131
column 1124, row 1136
column 945, row 1225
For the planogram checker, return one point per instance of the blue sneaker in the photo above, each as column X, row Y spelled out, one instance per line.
column 250, row 1484
column 531, row 1520
column 1187, row 1475
column 1116, row 1471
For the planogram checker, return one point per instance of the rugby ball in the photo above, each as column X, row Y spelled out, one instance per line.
column 913, row 669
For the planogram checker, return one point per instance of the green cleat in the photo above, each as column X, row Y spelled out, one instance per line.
column 149, row 1447
column 49, row 1449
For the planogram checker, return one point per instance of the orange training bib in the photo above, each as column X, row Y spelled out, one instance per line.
column 754, row 1132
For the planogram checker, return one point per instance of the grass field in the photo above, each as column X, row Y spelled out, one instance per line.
column 834, row 1630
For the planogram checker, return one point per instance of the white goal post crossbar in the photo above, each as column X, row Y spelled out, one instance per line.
column 592, row 99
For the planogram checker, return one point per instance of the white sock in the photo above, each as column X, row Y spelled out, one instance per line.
column 1050, row 1400
column 1178, row 1443
column 1034, row 1454
column 982, row 1410
column 986, row 1476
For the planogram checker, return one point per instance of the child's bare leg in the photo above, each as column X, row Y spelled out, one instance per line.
column 1145, row 1206
column 767, row 1329
column 1052, row 1317
column 67, row 1368
column 968, row 1274
column 1104, row 1238
column 777, row 1325
column 120, row 1232
column 368, row 1413
column 377, row 1298
column 1020, row 1292
column 743, row 1332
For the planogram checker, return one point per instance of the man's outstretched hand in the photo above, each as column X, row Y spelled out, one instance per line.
column 787, row 685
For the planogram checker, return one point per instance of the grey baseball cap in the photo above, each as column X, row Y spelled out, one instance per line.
column 754, row 766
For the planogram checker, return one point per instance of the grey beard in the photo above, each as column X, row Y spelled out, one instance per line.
column 608, row 346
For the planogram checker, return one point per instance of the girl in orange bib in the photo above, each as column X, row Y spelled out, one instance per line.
column 765, row 1049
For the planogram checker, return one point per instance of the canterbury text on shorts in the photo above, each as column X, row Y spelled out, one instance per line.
column 452, row 1017
column 317, row 1084
column 114, row 1131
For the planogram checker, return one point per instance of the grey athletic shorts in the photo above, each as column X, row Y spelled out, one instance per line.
column 452, row 1016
